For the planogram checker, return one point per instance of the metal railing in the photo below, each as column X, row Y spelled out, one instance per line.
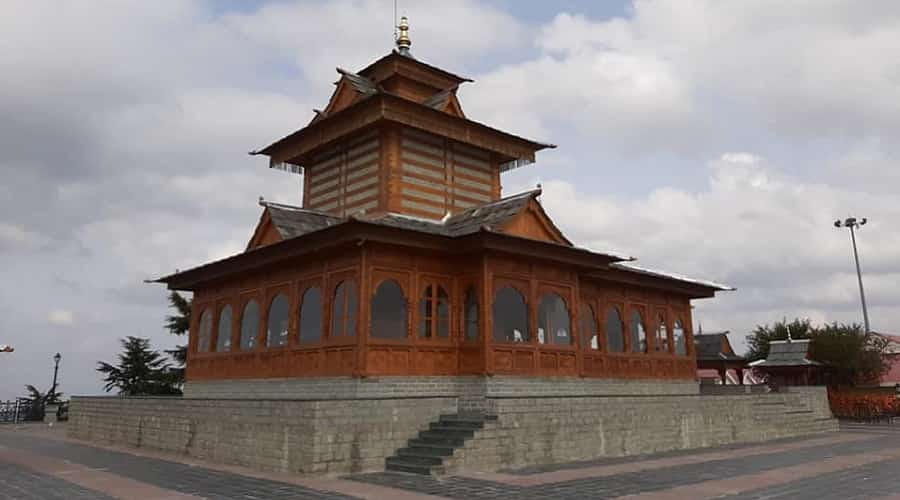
column 20, row 410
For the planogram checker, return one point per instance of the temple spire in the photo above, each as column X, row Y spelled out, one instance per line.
column 403, row 41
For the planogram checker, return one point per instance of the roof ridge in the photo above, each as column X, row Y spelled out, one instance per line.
column 285, row 206
column 630, row 266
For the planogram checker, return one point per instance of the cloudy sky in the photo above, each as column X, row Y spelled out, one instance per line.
column 718, row 139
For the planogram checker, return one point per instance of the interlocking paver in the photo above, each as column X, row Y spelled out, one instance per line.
column 862, row 464
column 174, row 476
column 22, row 483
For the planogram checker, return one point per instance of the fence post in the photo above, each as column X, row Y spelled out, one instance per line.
column 16, row 417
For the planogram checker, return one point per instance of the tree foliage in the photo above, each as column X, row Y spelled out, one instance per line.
column 179, row 324
column 758, row 341
column 851, row 355
column 141, row 371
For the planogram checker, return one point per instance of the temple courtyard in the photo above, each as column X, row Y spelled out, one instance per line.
column 859, row 461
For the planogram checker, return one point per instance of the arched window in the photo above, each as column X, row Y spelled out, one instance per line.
column 279, row 311
column 471, row 315
column 249, row 325
column 205, row 333
column 680, row 338
column 589, row 327
column 343, row 310
column 389, row 313
column 615, row 330
column 311, row 316
column 638, row 333
column 434, row 312
column 223, row 342
column 553, row 320
column 510, row 316
column 662, row 334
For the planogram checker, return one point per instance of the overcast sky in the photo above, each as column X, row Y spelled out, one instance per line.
column 718, row 139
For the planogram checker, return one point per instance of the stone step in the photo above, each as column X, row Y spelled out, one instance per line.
column 434, row 456
column 459, row 429
column 440, row 432
column 468, row 423
column 467, row 417
column 437, row 443
column 412, row 466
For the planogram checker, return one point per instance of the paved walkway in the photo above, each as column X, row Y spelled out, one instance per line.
column 861, row 461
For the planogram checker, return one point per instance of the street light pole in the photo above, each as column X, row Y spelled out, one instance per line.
column 853, row 224
column 56, row 358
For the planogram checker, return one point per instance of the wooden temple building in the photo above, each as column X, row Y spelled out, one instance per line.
column 406, row 259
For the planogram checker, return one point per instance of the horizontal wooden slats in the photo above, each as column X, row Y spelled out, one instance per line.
column 346, row 181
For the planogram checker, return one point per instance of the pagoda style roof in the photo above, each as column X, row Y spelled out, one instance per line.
column 715, row 347
column 383, row 105
column 393, row 59
column 786, row 353
column 303, row 231
column 292, row 221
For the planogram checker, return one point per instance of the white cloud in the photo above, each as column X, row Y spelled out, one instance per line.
column 756, row 228
column 137, row 164
column 61, row 317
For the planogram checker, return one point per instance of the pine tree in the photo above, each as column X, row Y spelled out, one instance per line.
column 179, row 324
column 141, row 371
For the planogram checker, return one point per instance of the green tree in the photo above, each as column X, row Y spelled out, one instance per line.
column 179, row 324
column 852, row 355
column 758, row 341
column 141, row 371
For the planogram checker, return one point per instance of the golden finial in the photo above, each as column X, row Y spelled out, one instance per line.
column 403, row 41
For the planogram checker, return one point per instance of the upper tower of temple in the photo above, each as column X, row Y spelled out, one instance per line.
column 394, row 138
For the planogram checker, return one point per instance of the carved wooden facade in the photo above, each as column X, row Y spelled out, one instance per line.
column 395, row 262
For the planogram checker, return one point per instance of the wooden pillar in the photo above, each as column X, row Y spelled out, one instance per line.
column 486, row 316
column 363, row 320
column 575, row 328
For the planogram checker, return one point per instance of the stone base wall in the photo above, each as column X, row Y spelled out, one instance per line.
column 544, row 430
column 467, row 388
column 354, row 435
column 335, row 436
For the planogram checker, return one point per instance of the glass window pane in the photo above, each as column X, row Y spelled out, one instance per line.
column 510, row 316
column 389, row 312
column 471, row 315
column 443, row 313
column 352, row 309
column 249, row 325
column 553, row 320
column 223, row 342
column 589, row 327
column 205, row 333
column 279, row 311
column 425, row 313
column 338, row 310
column 680, row 339
column 615, row 335
column 311, row 316
column 638, row 333
column 662, row 335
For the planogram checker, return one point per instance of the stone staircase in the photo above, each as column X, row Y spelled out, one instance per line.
column 426, row 453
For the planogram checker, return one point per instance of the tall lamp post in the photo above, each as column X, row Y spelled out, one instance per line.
column 854, row 224
column 56, row 358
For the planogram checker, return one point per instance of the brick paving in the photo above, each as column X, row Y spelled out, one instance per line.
column 861, row 461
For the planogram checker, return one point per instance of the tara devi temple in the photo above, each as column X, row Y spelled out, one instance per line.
column 409, row 316
column 406, row 258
